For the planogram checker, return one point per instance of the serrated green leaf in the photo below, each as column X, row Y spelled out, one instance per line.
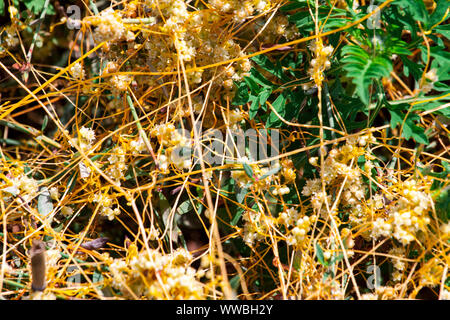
column 241, row 96
column 36, row 6
column 364, row 69
column 410, row 129
column 416, row 8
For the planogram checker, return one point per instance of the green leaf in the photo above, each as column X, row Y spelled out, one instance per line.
column 97, row 276
column 267, row 65
column 263, row 96
column 253, row 107
column 241, row 193
column 236, row 218
column 442, row 203
column 44, row 123
column 252, row 84
column 319, row 254
column 364, row 69
column 441, row 55
column 241, row 97
column 270, row 172
column 439, row 13
column 72, row 182
column 36, row 6
column 411, row 67
column 2, row 7
column 248, row 170
column 416, row 8
column 185, row 207
column 234, row 282
column 410, row 129
column 260, row 79
column 279, row 106
column 444, row 30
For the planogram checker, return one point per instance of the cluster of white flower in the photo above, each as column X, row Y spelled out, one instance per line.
column 240, row 176
column 288, row 171
column 140, row 274
column 117, row 164
column 278, row 27
column 11, row 37
column 399, row 265
column 281, row 191
column 106, row 202
column 66, row 211
column 241, row 10
column 163, row 163
column 195, row 38
column 381, row 293
column 164, row 132
column 137, row 146
column 408, row 215
column 297, row 224
column 120, row 82
column 24, row 186
column 109, row 26
column 181, row 161
column 235, row 117
column 431, row 77
column 255, row 227
column 175, row 143
column 320, row 62
column 77, row 71
column 86, row 137
column 338, row 166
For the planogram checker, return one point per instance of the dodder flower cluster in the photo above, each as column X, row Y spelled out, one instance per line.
column 153, row 275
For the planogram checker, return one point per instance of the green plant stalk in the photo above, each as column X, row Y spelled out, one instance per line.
column 381, row 101
column 31, row 131
column 329, row 111
column 33, row 43
column 93, row 7
column 139, row 126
